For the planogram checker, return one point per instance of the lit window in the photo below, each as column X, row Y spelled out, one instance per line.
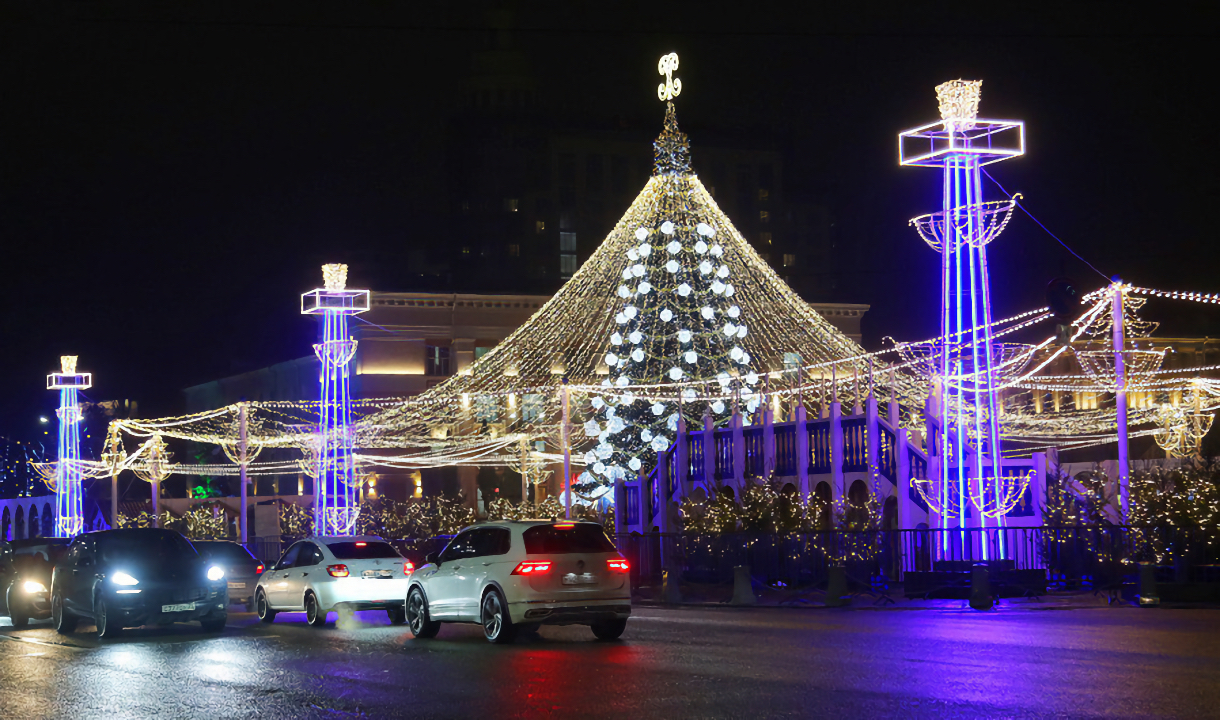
column 539, row 226
column 481, row 350
column 763, row 193
column 789, row 259
column 765, row 237
column 514, row 250
column 567, row 265
column 764, row 216
column 466, row 250
column 567, row 242
column 510, row 204
column 436, row 360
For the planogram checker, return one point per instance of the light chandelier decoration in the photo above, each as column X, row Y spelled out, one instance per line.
column 968, row 438
column 69, row 512
column 336, row 506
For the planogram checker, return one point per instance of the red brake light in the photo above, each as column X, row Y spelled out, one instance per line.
column 408, row 567
column 564, row 526
column 259, row 570
column 361, row 544
column 533, row 567
column 337, row 570
column 618, row 565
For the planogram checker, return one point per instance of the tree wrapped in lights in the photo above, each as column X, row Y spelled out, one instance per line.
column 678, row 321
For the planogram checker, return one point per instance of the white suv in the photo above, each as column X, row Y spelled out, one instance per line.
column 509, row 575
column 321, row 574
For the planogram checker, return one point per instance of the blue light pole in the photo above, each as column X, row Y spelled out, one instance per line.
column 69, row 508
column 967, row 363
column 335, row 505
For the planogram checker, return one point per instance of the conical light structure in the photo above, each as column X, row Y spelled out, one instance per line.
column 674, row 308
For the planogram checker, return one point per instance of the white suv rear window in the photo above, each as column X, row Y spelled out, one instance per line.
column 558, row 540
column 362, row 550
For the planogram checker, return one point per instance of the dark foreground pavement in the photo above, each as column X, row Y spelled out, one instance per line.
column 946, row 662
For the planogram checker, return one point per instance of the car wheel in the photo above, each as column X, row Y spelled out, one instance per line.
column 265, row 613
column 416, row 611
column 64, row 622
column 610, row 629
column 398, row 615
column 314, row 614
column 498, row 627
column 214, row 623
column 106, row 626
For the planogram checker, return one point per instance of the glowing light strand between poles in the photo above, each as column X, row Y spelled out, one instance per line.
column 969, row 436
column 335, row 502
column 69, row 508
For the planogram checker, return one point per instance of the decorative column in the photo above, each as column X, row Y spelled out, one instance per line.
column 709, row 455
column 682, row 457
column 739, row 452
column 69, row 512
column 335, row 507
column 1120, row 395
column 802, row 452
column 965, row 359
column 836, row 451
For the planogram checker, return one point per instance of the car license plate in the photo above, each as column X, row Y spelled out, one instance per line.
column 574, row 579
column 378, row 574
column 180, row 607
column 237, row 586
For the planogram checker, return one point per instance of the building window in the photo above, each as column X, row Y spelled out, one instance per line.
column 466, row 250
column 481, row 350
column 511, row 204
column 594, row 173
column 567, row 170
column 567, row 242
column 764, row 216
column 789, row 259
column 765, row 237
column 766, row 257
column 465, row 207
column 514, row 250
column 763, row 194
column 567, row 265
column 436, row 360
column 539, row 226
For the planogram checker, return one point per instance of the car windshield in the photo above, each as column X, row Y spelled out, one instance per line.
column 360, row 550
column 563, row 538
column 158, row 547
column 224, row 551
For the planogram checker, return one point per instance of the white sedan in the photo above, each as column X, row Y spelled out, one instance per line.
column 323, row 574
column 509, row 575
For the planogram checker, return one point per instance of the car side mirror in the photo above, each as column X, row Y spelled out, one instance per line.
column 433, row 558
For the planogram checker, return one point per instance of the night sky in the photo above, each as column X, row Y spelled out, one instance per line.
column 172, row 175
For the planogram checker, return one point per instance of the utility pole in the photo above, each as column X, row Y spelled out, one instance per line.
column 567, row 452
column 242, row 449
column 1120, row 395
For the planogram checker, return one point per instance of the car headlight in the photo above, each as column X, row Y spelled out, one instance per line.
column 31, row 586
column 122, row 578
column 215, row 572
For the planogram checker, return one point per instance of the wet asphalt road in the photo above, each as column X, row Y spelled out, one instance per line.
column 1114, row 662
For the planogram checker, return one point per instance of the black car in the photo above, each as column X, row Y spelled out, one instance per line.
column 242, row 570
column 25, row 577
column 128, row 578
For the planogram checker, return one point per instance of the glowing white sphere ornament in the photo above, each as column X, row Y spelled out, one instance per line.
column 684, row 336
column 634, row 463
column 635, row 337
column 718, row 407
column 672, row 266
column 657, row 409
column 645, row 288
column 637, row 355
column 645, row 249
column 691, row 357
column 624, row 291
column 684, row 289
column 700, row 247
column 707, row 312
column 734, row 311
column 633, row 255
column 674, row 247
column 641, row 234
column 705, row 230
column 666, row 315
column 675, row 373
column 667, row 227
column 616, row 339
column 717, row 250
column 705, row 267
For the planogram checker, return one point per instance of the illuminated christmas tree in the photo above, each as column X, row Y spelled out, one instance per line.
column 679, row 320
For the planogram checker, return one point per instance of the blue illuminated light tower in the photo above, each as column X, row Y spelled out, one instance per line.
column 335, row 505
column 69, row 509
column 968, row 363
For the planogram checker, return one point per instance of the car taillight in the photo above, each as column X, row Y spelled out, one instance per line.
column 408, row 567
column 259, row 570
column 533, row 567
column 564, row 526
column 337, row 570
column 618, row 565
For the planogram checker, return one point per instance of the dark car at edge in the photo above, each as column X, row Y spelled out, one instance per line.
column 128, row 578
